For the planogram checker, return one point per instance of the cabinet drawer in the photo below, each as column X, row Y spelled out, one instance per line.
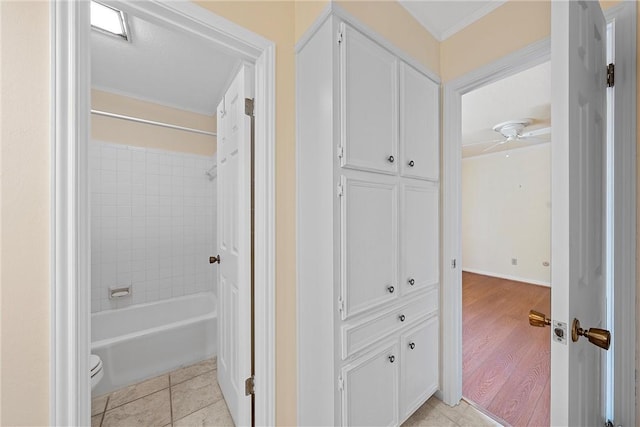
column 359, row 336
column 419, row 350
column 370, row 389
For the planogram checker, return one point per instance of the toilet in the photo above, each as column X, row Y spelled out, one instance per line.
column 95, row 365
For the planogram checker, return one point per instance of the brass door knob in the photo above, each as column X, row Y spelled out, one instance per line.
column 214, row 259
column 597, row 336
column 538, row 319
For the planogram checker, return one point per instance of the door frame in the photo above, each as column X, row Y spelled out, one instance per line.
column 70, row 317
column 532, row 55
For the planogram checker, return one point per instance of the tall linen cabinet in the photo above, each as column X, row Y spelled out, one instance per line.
column 368, row 230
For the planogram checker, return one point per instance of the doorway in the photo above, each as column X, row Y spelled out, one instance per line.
column 70, row 399
column 156, row 215
column 506, row 245
column 623, row 234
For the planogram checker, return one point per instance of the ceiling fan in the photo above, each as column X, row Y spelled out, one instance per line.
column 513, row 131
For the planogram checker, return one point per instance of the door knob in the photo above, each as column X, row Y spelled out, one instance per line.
column 391, row 159
column 391, row 289
column 597, row 336
column 538, row 319
column 214, row 259
column 412, row 281
column 411, row 163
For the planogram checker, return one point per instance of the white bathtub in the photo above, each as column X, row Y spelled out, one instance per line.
column 145, row 340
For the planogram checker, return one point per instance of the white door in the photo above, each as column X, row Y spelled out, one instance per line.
column 370, row 395
column 419, row 125
column 420, row 244
column 234, row 244
column 369, row 103
column 369, row 243
column 419, row 365
column 578, row 153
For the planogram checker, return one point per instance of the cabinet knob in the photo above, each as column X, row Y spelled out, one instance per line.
column 392, row 358
column 401, row 317
column 391, row 159
column 391, row 289
column 412, row 345
column 411, row 163
column 412, row 281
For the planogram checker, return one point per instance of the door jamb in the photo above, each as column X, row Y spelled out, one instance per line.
column 625, row 300
column 70, row 249
column 530, row 56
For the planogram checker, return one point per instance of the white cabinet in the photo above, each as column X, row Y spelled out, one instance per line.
column 370, row 389
column 369, row 243
column 419, row 348
column 368, row 230
column 420, row 236
column 419, row 125
column 369, row 103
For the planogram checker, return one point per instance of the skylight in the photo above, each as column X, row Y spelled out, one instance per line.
column 109, row 20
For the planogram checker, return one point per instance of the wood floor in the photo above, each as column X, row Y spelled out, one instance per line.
column 506, row 362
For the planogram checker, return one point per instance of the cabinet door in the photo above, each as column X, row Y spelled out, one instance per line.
column 369, row 98
column 370, row 394
column 419, row 355
column 369, row 243
column 420, row 236
column 419, row 125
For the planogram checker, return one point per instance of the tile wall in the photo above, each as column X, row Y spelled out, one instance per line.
column 153, row 217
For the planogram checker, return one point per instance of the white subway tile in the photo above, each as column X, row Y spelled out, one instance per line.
column 139, row 155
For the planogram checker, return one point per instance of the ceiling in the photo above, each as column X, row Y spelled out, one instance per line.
column 445, row 18
column 161, row 65
column 525, row 95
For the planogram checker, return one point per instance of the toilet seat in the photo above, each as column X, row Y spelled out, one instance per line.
column 95, row 364
column 95, row 367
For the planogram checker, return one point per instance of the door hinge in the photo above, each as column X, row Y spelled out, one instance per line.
column 250, row 386
column 453, row 263
column 340, row 37
column 340, row 151
column 340, row 304
column 611, row 75
column 248, row 107
column 340, row 383
column 340, row 191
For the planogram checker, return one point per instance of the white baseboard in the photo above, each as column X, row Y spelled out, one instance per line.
column 508, row 277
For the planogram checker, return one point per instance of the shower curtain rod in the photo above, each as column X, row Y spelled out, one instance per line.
column 151, row 122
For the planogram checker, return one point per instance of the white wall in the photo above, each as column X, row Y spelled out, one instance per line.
column 153, row 216
column 506, row 213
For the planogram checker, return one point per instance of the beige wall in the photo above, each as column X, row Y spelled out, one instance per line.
column 24, row 211
column 510, row 27
column 149, row 136
column 394, row 23
column 506, row 214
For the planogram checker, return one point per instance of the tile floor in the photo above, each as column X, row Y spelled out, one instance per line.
column 188, row 396
column 437, row 414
